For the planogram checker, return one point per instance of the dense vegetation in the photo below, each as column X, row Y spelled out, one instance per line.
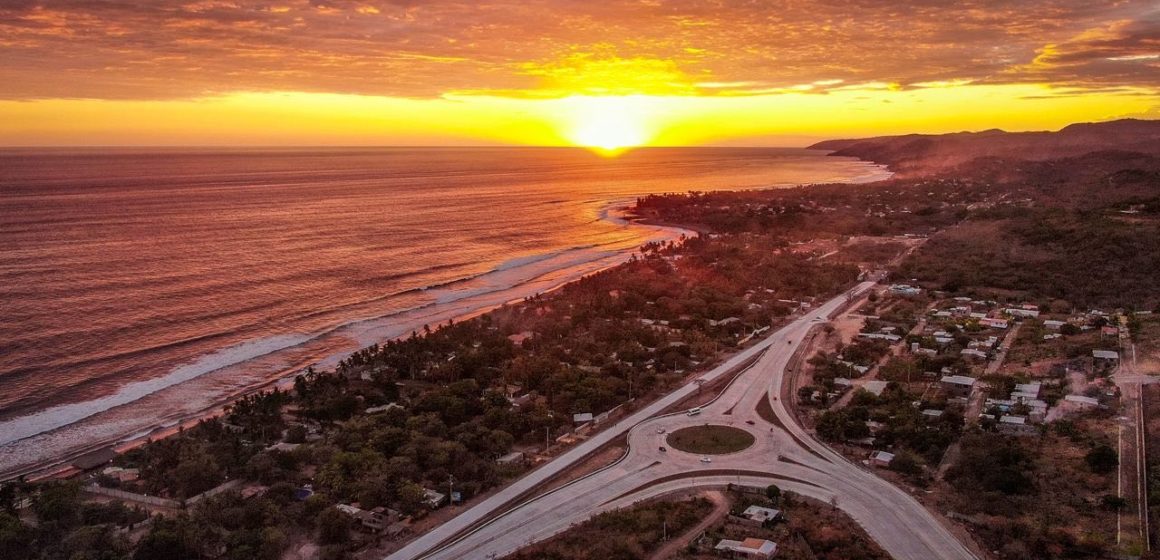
column 1083, row 259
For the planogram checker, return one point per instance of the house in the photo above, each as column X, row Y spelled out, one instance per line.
column 1082, row 401
column 513, row 458
column 374, row 520
column 432, row 498
column 1026, row 391
column 905, row 290
column 520, row 337
column 581, row 417
column 1053, row 324
column 881, row 458
column 1109, row 331
column 123, row 475
column 1021, row 313
column 957, row 385
column 725, row 321
column 994, row 323
column 973, row 353
column 748, row 548
column 932, row 414
column 1109, row 355
column 876, row 387
column 1016, row 426
column 761, row 514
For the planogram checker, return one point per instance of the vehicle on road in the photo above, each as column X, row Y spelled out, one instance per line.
column 662, row 448
column 706, row 460
column 694, row 411
column 750, row 422
column 660, row 430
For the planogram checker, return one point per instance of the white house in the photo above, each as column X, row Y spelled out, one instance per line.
column 748, row 548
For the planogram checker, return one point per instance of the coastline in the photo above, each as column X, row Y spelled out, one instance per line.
column 615, row 211
column 47, row 452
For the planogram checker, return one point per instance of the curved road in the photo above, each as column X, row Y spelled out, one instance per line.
column 783, row 454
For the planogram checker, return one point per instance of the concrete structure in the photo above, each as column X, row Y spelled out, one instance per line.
column 513, row 458
column 748, row 548
column 881, row 458
column 957, row 385
column 1016, row 426
column 761, row 514
column 995, row 323
column 1110, row 355
column 875, row 387
column 1082, row 401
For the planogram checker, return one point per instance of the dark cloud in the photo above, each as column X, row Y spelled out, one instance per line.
column 168, row 49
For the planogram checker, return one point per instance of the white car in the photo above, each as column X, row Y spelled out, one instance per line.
column 660, row 430
column 706, row 460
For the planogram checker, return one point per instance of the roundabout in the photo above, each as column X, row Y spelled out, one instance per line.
column 745, row 435
column 711, row 439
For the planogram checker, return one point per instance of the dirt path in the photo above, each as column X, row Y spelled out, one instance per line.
column 674, row 546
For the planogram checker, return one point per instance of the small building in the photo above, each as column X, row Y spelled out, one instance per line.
column 1022, row 313
column 122, row 475
column 905, row 290
column 374, row 520
column 881, row 458
column 932, row 414
column 432, row 498
column 1082, row 401
column 1109, row 355
column 973, row 353
column 582, row 417
column 994, row 323
column 94, row 459
column 1026, row 391
column 1016, row 426
column 1053, row 324
column 511, row 459
column 875, row 387
column 748, row 548
column 761, row 514
column 957, row 385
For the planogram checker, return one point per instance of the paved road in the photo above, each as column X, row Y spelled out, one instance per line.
column 783, row 454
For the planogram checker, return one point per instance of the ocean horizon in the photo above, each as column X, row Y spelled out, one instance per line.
column 146, row 286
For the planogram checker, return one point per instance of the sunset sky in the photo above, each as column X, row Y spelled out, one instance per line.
column 564, row 72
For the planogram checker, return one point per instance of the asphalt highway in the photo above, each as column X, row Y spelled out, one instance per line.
column 783, row 454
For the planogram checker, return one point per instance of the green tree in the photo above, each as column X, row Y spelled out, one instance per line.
column 1102, row 459
column 333, row 526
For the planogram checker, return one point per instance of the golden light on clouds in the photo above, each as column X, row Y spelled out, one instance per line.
column 555, row 72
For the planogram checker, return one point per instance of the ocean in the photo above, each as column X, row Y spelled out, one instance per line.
column 142, row 287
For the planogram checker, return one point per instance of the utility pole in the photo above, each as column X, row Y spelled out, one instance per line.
column 451, row 489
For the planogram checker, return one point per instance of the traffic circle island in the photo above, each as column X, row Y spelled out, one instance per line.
column 710, row 439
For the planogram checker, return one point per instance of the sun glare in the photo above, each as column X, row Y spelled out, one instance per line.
column 609, row 125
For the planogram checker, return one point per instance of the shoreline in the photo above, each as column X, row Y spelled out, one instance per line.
column 355, row 335
column 615, row 211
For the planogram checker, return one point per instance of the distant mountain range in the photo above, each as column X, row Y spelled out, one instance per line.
column 925, row 153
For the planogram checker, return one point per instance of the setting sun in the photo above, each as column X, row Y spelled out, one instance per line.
column 610, row 124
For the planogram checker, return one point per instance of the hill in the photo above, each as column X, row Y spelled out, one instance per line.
column 920, row 154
